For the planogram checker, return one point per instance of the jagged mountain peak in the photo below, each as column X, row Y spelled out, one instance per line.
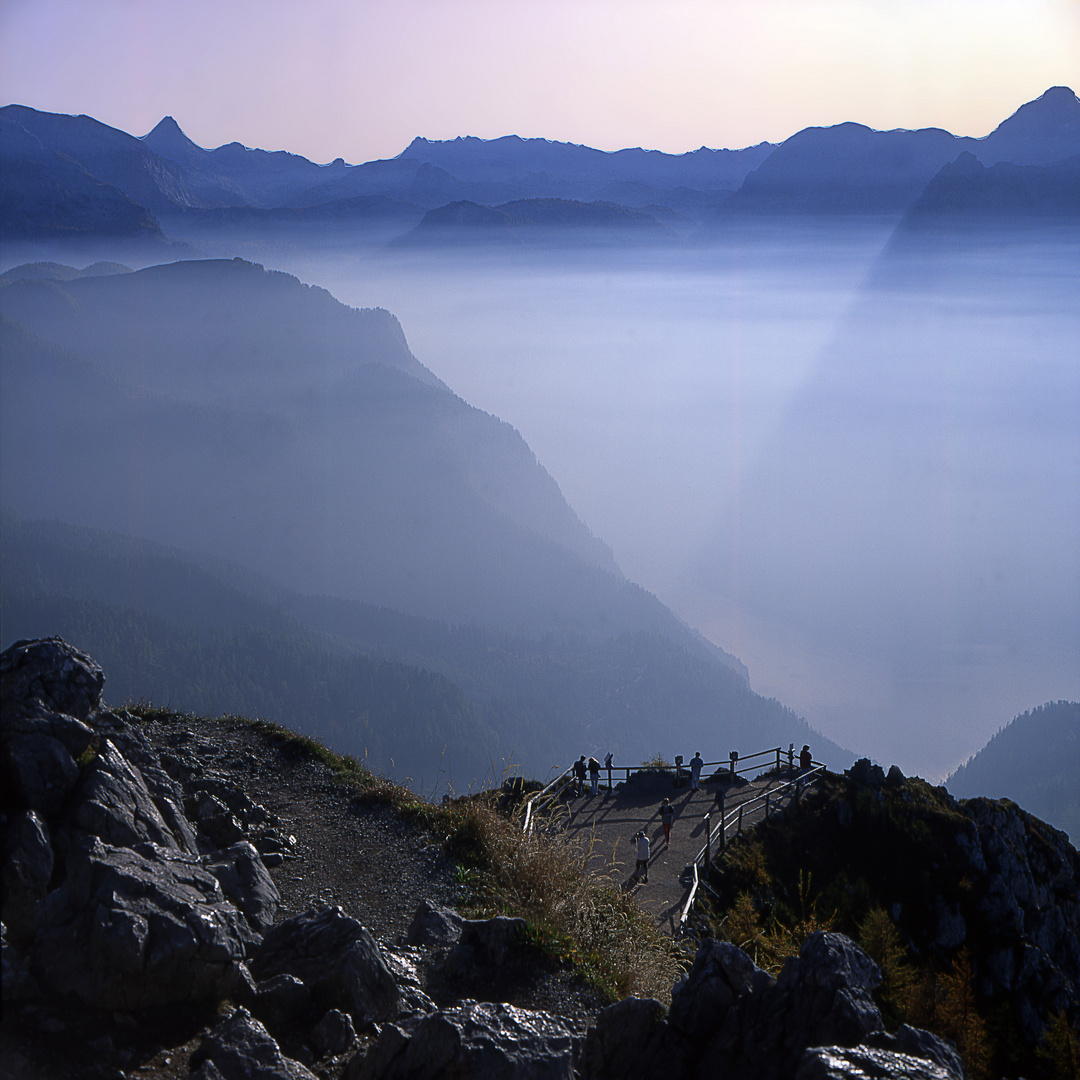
column 169, row 141
column 1040, row 132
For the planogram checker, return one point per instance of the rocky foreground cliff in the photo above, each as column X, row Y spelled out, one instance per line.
column 195, row 898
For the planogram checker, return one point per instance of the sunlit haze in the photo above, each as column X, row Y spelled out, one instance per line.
column 331, row 79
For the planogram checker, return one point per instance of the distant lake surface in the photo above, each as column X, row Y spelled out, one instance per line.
column 851, row 459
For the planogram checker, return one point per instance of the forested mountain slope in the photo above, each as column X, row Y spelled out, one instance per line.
column 1035, row 761
column 414, row 697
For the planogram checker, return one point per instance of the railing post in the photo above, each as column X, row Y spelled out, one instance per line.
column 720, row 807
column 734, row 761
column 740, row 819
column 766, row 806
column 708, row 839
column 778, row 762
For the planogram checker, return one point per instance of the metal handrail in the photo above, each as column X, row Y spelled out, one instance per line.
column 566, row 775
column 799, row 783
column 693, row 895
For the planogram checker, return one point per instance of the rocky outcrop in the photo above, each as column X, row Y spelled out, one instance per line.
column 134, row 879
column 472, row 1041
column 240, row 1048
column 334, row 956
column 729, row 1018
column 110, row 894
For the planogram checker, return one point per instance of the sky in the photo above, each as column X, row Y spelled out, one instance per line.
column 359, row 79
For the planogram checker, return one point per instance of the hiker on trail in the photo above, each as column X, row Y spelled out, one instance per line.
column 579, row 774
column 594, row 774
column 642, row 870
column 695, row 771
column 667, row 818
column 805, row 760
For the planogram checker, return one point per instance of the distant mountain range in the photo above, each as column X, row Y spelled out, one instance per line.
column 68, row 177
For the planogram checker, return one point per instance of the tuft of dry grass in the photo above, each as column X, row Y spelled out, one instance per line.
column 574, row 914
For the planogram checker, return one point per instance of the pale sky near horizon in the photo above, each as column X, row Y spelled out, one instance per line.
column 356, row 79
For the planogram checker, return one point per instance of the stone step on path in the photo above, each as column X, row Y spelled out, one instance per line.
column 606, row 823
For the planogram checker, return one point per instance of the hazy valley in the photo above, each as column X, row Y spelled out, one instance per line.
column 818, row 398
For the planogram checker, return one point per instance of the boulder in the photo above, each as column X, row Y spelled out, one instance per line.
column 246, row 883
column 485, row 943
column 214, row 819
column 434, row 926
column 729, row 1018
column 920, row 1044
column 51, row 671
column 281, row 1003
column 473, row 1041
column 630, row 1041
column 166, row 793
column 867, row 1063
column 240, row 1048
column 405, row 963
column 138, row 928
column 337, row 959
column 333, row 1034
column 720, row 976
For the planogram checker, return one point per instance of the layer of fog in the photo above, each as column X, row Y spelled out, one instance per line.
column 858, row 474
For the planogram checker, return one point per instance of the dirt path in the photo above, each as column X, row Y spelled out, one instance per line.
column 607, row 822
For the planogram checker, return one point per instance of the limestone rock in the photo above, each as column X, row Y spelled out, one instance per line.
column 920, row 1044
column 114, row 804
column 630, row 1041
column 866, row 1063
column 473, row 1041
column 138, row 928
column 722, row 973
column 246, row 883
column 51, row 671
column 240, row 1048
column 37, row 772
column 333, row 1034
column 336, row 958
column 27, row 868
column 434, row 925
column 281, row 1003
column 728, row 1018
column 485, row 943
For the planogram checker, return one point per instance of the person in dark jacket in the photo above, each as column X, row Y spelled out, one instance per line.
column 579, row 774
column 667, row 818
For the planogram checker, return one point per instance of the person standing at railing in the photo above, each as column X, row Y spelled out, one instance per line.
column 695, row 770
column 667, row 818
column 579, row 774
column 805, row 759
column 594, row 774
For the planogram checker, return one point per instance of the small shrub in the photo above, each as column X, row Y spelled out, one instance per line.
column 1059, row 1050
column 657, row 763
